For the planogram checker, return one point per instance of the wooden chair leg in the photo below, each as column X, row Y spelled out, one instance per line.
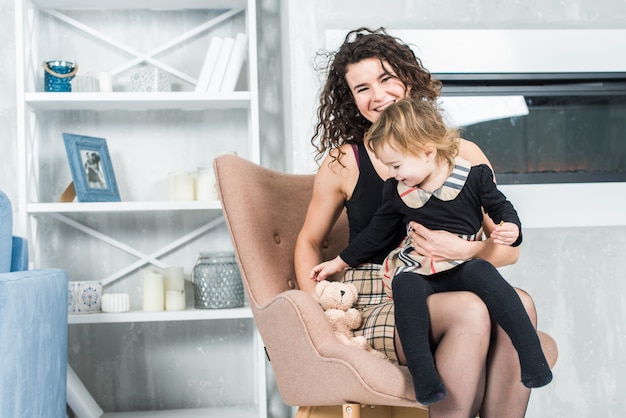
column 351, row 410
column 303, row 412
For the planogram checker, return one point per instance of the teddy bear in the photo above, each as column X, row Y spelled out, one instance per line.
column 337, row 298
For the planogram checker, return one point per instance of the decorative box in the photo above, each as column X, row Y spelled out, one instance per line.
column 149, row 80
column 84, row 297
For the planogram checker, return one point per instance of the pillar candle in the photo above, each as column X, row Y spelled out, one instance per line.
column 206, row 189
column 174, row 300
column 174, row 278
column 153, row 290
column 105, row 82
column 180, row 185
column 174, row 288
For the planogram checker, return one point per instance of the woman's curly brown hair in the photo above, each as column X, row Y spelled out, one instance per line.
column 339, row 120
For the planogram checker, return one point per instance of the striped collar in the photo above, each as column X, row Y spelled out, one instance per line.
column 415, row 197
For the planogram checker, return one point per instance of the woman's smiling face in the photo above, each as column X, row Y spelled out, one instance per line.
column 373, row 87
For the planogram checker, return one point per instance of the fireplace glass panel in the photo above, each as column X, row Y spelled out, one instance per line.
column 569, row 132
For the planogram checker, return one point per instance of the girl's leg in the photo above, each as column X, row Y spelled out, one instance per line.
column 413, row 328
column 506, row 308
column 460, row 330
column 505, row 395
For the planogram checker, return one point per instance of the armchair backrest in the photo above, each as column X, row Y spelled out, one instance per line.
column 13, row 250
column 6, row 233
column 264, row 211
column 280, row 203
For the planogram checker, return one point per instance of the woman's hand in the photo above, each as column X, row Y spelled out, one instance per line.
column 440, row 245
column 323, row 270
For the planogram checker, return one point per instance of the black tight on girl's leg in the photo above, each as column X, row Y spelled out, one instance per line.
column 413, row 325
column 410, row 291
column 507, row 310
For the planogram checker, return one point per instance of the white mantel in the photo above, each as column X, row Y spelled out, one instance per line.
column 512, row 50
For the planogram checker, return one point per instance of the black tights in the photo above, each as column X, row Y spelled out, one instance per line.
column 410, row 291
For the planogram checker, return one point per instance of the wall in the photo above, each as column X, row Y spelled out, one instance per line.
column 572, row 272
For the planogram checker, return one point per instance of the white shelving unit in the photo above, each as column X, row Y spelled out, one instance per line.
column 170, row 128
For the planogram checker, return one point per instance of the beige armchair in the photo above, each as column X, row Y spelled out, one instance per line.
column 264, row 211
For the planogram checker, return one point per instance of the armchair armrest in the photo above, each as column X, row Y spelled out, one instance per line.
column 33, row 343
column 313, row 367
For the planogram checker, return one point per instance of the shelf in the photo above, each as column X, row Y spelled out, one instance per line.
column 138, row 101
column 139, row 4
column 190, row 314
column 230, row 412
column 82, row 207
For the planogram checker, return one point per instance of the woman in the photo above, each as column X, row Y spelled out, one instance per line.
column 478, row 365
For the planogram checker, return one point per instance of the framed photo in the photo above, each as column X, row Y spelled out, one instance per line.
column 92, row 172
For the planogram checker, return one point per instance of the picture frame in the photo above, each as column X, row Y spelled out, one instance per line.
column 91, row 168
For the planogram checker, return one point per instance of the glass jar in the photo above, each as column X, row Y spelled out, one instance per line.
column 217, row 281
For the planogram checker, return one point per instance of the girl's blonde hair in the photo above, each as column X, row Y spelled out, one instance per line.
column 409, row 125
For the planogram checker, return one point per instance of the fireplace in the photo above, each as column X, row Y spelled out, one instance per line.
column 540, row 128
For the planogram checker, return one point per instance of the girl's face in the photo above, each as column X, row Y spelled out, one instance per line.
column 410, row 169
column 372, row 87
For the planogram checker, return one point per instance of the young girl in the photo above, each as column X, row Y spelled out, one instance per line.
column 431, row 184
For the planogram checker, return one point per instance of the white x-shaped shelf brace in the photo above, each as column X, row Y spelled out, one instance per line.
column 148, row 57
column 144, row 259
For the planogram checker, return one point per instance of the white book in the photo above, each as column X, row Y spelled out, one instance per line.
column 235, row 62
column 220, row 66
column 209, row 63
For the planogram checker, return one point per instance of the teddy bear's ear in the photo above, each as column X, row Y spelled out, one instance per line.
column 320, row 286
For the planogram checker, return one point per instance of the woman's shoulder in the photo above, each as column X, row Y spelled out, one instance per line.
column 340, row 167
column 471, row 152
column 341, row 158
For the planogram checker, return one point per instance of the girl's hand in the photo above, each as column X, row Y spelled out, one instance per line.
column 506, row 233
column 323, row 270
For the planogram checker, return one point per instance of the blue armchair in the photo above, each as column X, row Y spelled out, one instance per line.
column 33, row 330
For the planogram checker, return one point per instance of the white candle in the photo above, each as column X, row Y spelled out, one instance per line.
column 174, row 300
column 174, row 288
column 153, row 291
column 174, row 278
column 105, row 82
column 180, row 185
column 206, row 189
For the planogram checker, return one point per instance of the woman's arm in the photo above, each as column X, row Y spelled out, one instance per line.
column 326, row 205
column 443, row 245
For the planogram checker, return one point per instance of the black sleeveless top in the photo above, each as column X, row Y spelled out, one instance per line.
column 366, row 197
